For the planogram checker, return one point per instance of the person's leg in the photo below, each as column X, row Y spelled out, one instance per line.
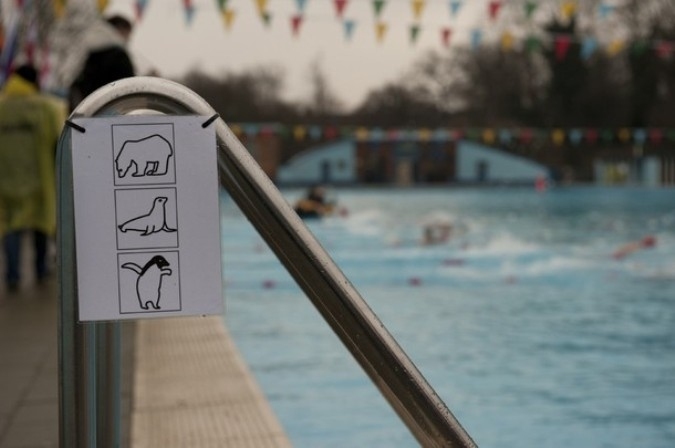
column 12, row 246
column 40, row 241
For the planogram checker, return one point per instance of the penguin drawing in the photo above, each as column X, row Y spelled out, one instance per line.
column 149, row 281
column 152, row 222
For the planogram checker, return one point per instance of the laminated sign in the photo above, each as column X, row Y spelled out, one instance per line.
column 147, row 221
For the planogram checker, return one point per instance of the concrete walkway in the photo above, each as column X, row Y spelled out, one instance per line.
column 190, row 387
column 28, row 367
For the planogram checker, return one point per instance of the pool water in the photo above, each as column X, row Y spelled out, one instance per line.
column 524, row 324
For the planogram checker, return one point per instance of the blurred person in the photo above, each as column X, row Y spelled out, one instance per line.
column 29, row 130
column 106, row 58
column 314, row 204
column 646, row 242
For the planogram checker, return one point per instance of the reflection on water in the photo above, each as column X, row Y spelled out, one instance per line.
column 522, row 322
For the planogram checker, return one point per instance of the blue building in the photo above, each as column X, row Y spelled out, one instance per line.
column 477, row 163
column 332, row 163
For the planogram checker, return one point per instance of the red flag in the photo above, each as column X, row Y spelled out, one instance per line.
column 562, row 46
column 664, row 49
column 656, row 136
column 526, row 135
column 446, row 34
column 493, row 8
column 591, row 135
column 340, row 7
column 296, row 21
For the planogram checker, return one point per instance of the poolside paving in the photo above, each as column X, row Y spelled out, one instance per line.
column 189, row 384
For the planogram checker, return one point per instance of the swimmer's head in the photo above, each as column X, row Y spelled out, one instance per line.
column 649, row 241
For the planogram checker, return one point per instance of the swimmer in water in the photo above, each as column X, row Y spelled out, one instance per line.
column 622, row 252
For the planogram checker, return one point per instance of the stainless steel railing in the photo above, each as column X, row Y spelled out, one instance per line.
column 89, row 360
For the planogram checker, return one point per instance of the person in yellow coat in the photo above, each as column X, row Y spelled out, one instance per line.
column 29, row 130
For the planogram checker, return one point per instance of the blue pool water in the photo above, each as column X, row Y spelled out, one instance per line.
column 527, row 328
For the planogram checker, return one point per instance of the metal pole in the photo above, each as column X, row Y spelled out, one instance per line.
column 398, row 379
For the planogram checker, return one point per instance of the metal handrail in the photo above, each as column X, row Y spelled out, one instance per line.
column 336, row 299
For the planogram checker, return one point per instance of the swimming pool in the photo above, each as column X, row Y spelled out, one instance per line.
column 527, row 328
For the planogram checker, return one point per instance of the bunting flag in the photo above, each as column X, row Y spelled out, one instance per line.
column 380, row 31
column 639, row 136
column 102, row 5
column 562, row 45
column 299, row 132
column 532, row 43
column 624, row 135
column 296, row 21
column 446, row 34
column 418, row 8
column 378, row 6
column 348, row 26
column 588, row 47
column 604, row 10
column 455, row 6
column 575, row 136
column 414, row 33
column 505, row 136
column 340, row 7
column 59, row 8
column 222, row 4
column 140, row 6
column 493, row 9
column 530, row 8
column 476, row 37
column 301, row 5
column 591, row 136
column 665, row 50
column 228, row 18
column 507, row 41
column 189, row 10
column 615, row 47
column 266, row 18
column 568, row 9
column 558, row 137
column 261, row 6
column 489, row 136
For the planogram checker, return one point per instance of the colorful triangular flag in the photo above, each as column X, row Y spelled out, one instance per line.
column 493, row 9
column 228, row 18
column 418, row 8
column 414, row 33
column 378, row 6
column 455, row 6
column 446, row 34
column 562, row 46
column 340, row 7
column 380, row 31
column 348, row 26
column 296, row 21
column 530, row 8
column 588, row 47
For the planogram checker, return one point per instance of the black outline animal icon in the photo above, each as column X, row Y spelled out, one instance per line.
column 149, row 281
column 152, row 222
column 149, row 156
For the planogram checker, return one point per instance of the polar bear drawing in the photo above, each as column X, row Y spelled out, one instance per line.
column 149, row 156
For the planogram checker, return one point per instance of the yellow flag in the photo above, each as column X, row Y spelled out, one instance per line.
column 228, row 17
column 507, row 41
column 624, row 135
column 489, row 136
column 102, row 4
column 299, row 132
column 380, row 30
column 568, row 9
column 558, row 137
column 59, row 8
column 361, row 134
column 615, row 47
column 261, row 5
column 418, row 7
column 424, row 134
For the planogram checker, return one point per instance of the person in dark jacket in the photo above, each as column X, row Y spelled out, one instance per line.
column 107, row 59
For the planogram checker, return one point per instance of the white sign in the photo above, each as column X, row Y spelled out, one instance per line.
column 147, row 219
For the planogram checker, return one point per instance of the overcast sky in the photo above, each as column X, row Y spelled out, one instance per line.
column 353, row 66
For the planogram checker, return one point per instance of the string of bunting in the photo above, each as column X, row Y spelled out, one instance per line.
column 505, row 136
column 507, row 40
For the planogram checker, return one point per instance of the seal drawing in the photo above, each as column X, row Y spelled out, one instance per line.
column 152, row 222
column 148, row 156
column 149, row 281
